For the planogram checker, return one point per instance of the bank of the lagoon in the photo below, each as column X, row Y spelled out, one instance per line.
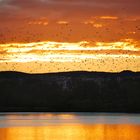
column 70, row 91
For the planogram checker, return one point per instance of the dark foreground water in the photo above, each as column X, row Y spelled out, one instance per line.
column 66, row 126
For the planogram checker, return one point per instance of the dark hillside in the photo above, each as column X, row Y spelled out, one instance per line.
column 70, row 91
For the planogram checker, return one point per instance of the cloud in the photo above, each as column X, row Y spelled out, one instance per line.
column 63, row 22
column 31, row 20
column 109, row 17
column 67, row 8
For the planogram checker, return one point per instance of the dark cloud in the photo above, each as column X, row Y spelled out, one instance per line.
column 67, row 8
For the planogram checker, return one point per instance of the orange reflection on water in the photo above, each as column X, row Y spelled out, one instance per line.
column 72, row 132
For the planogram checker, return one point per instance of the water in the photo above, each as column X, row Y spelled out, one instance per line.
column 69, row 126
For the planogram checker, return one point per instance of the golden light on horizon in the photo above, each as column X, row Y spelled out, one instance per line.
column 65, row 56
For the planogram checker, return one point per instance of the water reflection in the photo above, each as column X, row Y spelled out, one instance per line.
column 66, row 131
column 72, row 132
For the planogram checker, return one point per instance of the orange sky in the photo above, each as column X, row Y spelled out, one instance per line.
column 97, row 30
column 64, row 20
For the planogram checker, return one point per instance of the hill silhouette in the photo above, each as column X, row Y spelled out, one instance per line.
column 70, row 91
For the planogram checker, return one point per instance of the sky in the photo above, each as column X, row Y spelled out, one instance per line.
column 69, row 35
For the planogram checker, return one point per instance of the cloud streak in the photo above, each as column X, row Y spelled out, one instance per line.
column 63, row 8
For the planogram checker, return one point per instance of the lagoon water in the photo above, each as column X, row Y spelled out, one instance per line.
column 69, row 126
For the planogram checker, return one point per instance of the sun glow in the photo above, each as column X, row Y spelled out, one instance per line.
column 66, row 56
column 55, row 50
column 126, row 44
